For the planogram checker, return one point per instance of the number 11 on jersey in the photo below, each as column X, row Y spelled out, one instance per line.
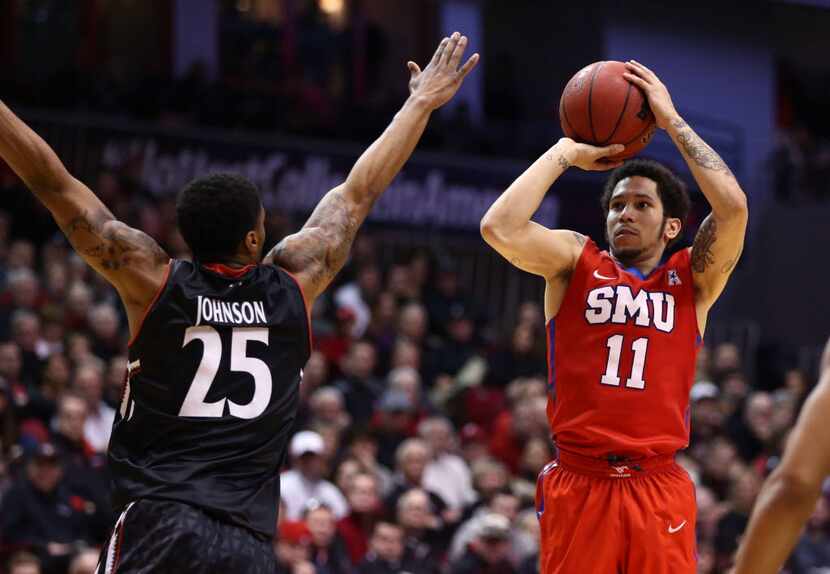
column 611, row 376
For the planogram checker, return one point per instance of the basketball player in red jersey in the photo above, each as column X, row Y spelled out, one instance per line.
column 790, row 494
column 624, row 328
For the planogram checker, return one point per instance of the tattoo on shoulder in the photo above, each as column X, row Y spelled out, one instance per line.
column 699, row 151
column 581, row 239
column 702, row 256
column 321, row 248
column 300, row 252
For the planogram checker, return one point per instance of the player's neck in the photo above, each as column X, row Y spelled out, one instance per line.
column 644, row 263
column 236, row 262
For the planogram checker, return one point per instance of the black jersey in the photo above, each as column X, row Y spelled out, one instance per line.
column 212, row 393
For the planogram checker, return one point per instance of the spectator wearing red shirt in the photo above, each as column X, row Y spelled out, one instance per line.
column 365, row 511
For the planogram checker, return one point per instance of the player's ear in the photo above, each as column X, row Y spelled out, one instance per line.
column 672, row 228
column 252, row 242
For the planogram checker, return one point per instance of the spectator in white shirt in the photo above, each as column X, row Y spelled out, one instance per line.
column 446, row 474
column 89, row 382
column 305, row 480
column 359, row 296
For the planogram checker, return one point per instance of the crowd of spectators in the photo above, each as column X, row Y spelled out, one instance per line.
column 417, row 443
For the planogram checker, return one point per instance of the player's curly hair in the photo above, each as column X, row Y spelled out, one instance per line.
column 671, row 189
column 215, row 212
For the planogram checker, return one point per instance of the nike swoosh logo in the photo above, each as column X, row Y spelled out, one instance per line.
column 598, row 276
column 674, row 529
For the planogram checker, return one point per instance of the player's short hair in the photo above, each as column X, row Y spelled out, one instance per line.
column 672, row 191
column 215, row 212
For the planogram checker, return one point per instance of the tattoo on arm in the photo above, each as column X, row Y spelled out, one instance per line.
column 581, row 239
column 727, row 267
column 322, row 247
column 702, row 256
column 561, row 160
column 109, row 244
column 698, row 150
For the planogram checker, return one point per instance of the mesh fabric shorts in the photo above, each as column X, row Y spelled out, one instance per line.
column 165, row 537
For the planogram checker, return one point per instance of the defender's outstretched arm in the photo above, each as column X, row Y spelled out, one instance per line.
column 128, row 258
column 317, row 252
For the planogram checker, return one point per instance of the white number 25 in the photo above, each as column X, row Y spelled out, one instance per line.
column 194, row 404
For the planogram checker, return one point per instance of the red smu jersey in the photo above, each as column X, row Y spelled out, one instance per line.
column 621, row 358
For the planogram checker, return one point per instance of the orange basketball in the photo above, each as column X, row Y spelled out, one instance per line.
column 600, row 107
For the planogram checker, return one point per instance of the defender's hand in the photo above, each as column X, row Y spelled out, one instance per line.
column 656, row 92
column 440, row 80
column 586, row 156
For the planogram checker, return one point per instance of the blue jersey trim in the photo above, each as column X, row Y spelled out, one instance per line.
column 552, row 359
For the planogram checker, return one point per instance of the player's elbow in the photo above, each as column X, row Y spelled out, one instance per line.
column 487, row 228
column 796, row 486
column 492, row 230
column 736, row 206
column 740, row 204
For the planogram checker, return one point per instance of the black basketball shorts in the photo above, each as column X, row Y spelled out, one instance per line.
column 166, row 537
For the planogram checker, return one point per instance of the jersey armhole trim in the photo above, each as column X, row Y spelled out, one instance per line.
column 582, row 255
column 305, row 306
column 152, row 303
column 699, row 337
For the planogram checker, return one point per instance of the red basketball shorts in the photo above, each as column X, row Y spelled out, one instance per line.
column 635, row 517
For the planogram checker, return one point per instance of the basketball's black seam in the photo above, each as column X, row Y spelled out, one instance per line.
column 597, row 68
column 642, row 131
column 620, row 117
column 576, row 134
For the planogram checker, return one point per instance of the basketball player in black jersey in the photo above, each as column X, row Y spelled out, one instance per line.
column 217, row 344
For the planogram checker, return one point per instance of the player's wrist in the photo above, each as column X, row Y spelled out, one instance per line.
column 675, row 122
column 420, row 103
column 564, row 152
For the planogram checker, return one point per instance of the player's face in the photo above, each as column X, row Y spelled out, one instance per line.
column 635, row 221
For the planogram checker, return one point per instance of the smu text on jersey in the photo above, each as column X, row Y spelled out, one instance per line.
column 618, row 304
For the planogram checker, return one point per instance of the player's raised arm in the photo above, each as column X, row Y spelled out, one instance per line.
column 789, row 495
column 319, row 250
column 129, row 259
column 507, row 225
column 720, row 239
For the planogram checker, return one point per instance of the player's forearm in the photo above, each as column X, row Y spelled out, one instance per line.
column 516, row 206
column 777, row 521
column 29, row 156
column 381, row 162
column 716, row 180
